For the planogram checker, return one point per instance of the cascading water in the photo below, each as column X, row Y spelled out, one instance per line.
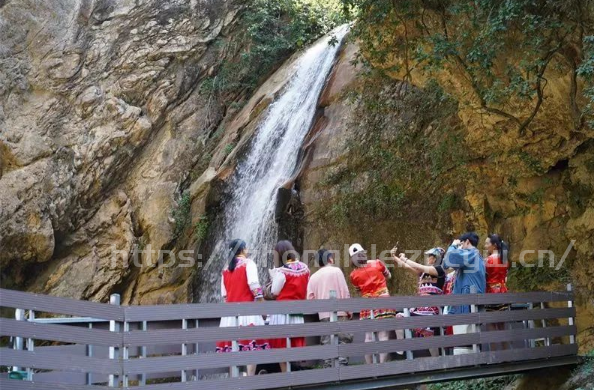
column 269, row 163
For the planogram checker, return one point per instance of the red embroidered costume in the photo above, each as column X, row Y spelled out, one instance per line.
column 289, row 282
column 496, row 274
column 242, row 285
column 370, row 280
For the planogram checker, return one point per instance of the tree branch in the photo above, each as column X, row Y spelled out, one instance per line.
column 473, row 80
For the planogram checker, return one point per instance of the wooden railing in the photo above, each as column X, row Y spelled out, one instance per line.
column 139, row 346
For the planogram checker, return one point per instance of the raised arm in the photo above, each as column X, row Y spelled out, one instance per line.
column 404, row 263
column 456, row 257
column 416, row 267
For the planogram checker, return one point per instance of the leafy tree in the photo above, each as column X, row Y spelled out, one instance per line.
column 586, row 71
column 274, row 29
column 478, row 37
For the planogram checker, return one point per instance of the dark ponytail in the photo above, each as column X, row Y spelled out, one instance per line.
column 502, row 247
column 284, row 251
column 235, row 248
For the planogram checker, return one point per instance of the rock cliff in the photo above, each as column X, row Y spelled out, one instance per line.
column 102, row 121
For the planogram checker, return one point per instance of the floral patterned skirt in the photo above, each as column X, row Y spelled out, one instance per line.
column 377, row 313
column 243, row 345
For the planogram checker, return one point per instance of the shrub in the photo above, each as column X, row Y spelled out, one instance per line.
column 181, row 214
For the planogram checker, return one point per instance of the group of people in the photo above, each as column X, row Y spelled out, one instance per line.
column 459, row 270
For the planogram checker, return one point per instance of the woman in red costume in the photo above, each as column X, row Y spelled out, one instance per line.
column 240, row 284
column 497, row 266
column 289, row 282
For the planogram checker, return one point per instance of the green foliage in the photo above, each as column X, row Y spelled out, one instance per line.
column 478, row 37
column 181, row 214
column 228, row 149
column 522, row 278
column 201, row 228
column 274, row 30
column 531, row 163
column 590, row 165
column 536, row 197
column 584, row 371
column 237, row 105
column 586, row 72
column 405, row 138
column 142, row 242
column 377, row 200
column 495, row 383
column 449, row 202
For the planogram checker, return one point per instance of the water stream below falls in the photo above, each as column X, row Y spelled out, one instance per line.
column 270, row 162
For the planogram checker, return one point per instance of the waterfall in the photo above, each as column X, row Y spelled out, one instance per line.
column 270, row 162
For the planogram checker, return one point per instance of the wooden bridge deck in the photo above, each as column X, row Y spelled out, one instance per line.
column 172, row 346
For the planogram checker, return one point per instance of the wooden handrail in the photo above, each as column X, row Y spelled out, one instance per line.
column 46, row 360
column 124, row 366
column 215, row 310
column 55, row 332
column 61, row 362
column 46, row 303
column 180, row 336
column 442, row 362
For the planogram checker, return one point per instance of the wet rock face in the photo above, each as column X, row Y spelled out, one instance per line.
column 289, row 216
column 101, row 119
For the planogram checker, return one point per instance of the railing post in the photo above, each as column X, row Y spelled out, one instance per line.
column 30, row 346
column 19, row 315
column 475, row 327
column 143, row 326
column 184, row 350
column 196, row 350
column 531, row 342
column 408, row 334
column 442, row 350
column 543, row 323
column 114, row 326
column 235, row 348
column 373, row 337
column 334, row 337
column 570, row 319
column 89, row 353
column 287, row 318
column 125, row 354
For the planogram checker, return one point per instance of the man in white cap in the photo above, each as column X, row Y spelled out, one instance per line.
column 369, row 278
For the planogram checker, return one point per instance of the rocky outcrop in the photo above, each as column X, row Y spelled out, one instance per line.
column 87, row 265
column 115, row 142
column 102, row 119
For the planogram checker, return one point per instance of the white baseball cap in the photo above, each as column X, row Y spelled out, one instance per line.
column 355, row 248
